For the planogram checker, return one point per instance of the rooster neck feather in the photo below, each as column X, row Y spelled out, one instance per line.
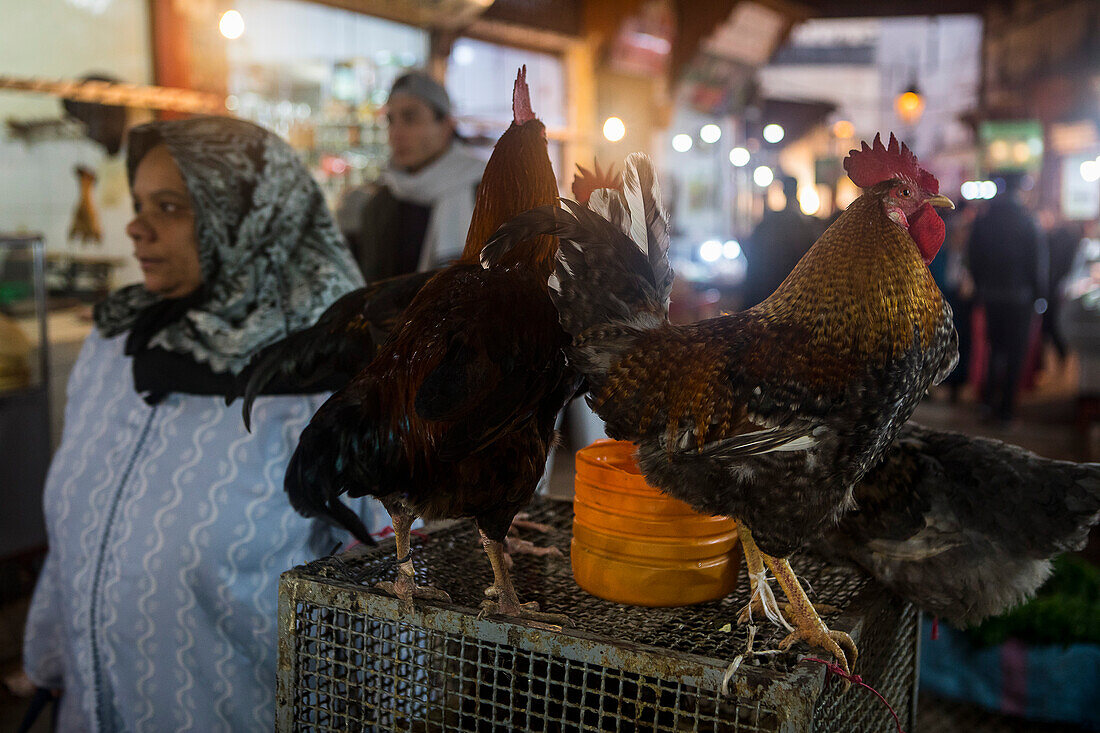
column 518, row 177
column 863, row 285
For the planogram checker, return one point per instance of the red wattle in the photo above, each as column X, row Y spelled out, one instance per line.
column 928, row 231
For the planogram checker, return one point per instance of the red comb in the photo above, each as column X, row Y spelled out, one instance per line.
column 875, row 164
column 521, row 99
column 585, row 181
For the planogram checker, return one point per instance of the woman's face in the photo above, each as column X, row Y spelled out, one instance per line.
column 163, row 227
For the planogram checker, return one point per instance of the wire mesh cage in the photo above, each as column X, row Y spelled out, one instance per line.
column 354, row 659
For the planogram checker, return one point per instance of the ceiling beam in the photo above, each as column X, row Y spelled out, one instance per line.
column 445, row 14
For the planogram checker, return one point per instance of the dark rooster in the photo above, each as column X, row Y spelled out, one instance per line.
column 455, row 415
column 348, row 335
column 965, row 527
column 770, row 415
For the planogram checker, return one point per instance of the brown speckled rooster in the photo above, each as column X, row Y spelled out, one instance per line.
column 455, row 415
column 772, row 414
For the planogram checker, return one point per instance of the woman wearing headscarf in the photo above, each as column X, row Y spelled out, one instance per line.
column 168, row 526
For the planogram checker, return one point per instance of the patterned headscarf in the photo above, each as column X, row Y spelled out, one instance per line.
column 272, row 258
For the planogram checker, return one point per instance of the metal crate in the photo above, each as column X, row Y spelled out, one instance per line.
column 351, row 659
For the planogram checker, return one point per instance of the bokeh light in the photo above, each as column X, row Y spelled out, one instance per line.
column 808, row 200
column 710, row 250
column 681, row 143
column 614, row 129
column 231, row 24
column 844, row 129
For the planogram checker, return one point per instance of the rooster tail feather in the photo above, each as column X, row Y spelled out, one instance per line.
column 299, row 359
column 315, row 475
column 648, row 219
column 323, row 356
column 613, row 278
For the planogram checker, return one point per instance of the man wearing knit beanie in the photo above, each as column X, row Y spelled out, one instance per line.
column 419, row 210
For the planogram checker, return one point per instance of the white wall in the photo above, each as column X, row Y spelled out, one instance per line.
column 66, row 39
column 855, row 90
column 941, row 54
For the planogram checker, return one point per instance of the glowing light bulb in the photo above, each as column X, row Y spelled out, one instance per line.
column 231, row 24
column 710, row 133
column 763, row 176
column 731, row 250
column 614, row 129
column 909, row 106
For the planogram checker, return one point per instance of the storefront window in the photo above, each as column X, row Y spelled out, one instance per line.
column 480, row 77
column 318, row 76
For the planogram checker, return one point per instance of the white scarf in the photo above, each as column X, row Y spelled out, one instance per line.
column 447, row 185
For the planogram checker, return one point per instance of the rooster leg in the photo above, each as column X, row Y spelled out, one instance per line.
column 404, row 586
column 507, row 602
column 762, row 603
column 811, row 628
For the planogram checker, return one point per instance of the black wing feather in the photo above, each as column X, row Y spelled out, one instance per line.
column 345, row 339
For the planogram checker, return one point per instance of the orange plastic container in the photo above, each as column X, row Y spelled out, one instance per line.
column 632, row 544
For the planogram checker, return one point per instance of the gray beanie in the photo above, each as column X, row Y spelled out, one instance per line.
column 418, row 84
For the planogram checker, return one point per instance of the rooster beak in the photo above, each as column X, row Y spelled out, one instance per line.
column 941, row 200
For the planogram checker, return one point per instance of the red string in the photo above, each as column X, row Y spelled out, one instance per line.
column 935, row 628
column 838, row 671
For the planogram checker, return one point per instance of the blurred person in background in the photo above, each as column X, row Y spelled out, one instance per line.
column 1063, row 241
column 952, row 274
column 167, row 521
column 1008, row 260
column 416, row 216
column 776, row 245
